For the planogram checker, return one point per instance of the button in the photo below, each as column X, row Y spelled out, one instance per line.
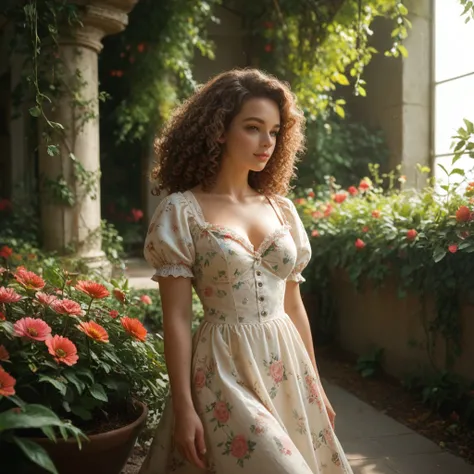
column 263, row 313
column 262, row 298
column 259, row 272
column 260, row 284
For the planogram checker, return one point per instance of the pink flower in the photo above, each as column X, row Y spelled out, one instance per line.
column 453, row 248
column 352, row 190
column 200, row 379
column 221, row 412
column 364, row 185
column 45, row 299
column 62, row 349
column 134, row 327
column 359, row 244
column 137, row 214
column 68, row 307
column 239, row 446
column 376, row 213
column 119, row 295
column 314, row 233
column 145, row 299
column 94, row 331
column 277, row 371
column 29, row 280
column 113, row 314
column 32, row 328
column 8, row 295
column 6, row 252
column 339, row 197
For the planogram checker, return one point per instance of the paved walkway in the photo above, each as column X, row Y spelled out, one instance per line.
column 373, row 442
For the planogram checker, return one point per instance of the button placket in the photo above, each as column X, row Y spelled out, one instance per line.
column 259, row 285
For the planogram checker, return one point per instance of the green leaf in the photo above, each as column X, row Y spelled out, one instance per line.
column 81, row 412
column 60, row 386
column 439, row 254
column 98, row 392
column 35, row 453
column 340, row 111
column 458, row 171
column 35, row 111
column 86, row 373
column 403, row 50
column 31, row 416
column 71, row 376
column 53, row 150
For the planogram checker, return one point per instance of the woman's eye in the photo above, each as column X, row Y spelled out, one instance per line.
column 252, row 127
column 274, row 134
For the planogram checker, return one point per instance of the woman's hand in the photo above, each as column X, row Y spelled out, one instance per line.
column 189, row 437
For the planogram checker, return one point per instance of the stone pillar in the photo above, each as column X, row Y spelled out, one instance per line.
column 78, row 225
column 399, row 93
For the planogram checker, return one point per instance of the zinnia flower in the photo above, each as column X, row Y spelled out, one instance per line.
column 352, row 190
column 145, row 299
column 62, row 349
column 134, row 327
column 411, row 235
column 9, row 295
column 339, row 197
column 29, row 280
column 45, row 299
column 69, row 307
column 359, row 244
column 92, row 289
column 32, row 328
column 314, row 233
column 4, row 355
column 7, row 384
column 453, row 248
column 6, row 252
column 364, row 184
column 113, row 313
column 463, row 214
column 376, row 213
column 94, row 331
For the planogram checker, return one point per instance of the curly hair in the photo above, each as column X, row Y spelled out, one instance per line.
column 188, row 151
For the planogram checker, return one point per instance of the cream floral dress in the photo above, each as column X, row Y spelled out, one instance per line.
column 253, row 383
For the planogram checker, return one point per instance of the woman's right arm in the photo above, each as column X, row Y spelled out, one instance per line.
column 176, row 300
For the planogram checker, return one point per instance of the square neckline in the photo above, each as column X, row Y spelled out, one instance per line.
column 244, row 240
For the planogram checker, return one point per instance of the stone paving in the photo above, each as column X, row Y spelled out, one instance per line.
column 374, row 443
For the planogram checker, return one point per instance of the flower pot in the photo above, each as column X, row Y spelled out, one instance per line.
column 104, row 453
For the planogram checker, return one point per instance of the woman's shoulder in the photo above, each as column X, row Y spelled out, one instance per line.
column 285, row 203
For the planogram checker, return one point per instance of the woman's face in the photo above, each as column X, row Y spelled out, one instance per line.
column 251, row 138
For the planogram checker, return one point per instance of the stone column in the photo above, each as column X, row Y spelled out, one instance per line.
column 78, row 225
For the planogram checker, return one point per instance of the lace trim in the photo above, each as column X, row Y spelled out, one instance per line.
column 174, row 270
column 297, row 277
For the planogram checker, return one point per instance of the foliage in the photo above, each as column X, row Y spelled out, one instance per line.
column 342, row 148
column 85, row 361
column 15, row 421
column 369, row 365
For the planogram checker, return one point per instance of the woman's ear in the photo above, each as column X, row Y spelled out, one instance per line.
column 221, row 139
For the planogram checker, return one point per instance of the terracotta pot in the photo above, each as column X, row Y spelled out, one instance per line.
column 104, row 453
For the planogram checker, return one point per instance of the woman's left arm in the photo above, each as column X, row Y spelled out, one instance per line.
column 295, row 309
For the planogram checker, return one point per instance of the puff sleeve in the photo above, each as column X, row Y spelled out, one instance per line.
column 300, row 237
column 169, row 246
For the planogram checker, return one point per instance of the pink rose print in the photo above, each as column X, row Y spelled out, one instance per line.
column 284, row 445
column 221, row 412
column 277, row 371
column 239, row 447
column 260, row 426
column 199, row 379
column 208, row 291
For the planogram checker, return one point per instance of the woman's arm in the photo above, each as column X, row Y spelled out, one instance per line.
column 176, row 301
column 295, row 309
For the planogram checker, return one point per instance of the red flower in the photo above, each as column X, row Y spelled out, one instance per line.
column 352, row 190
column 300, row 201
column 359, row 244
column 364, row 185
column 6, row 252
column 141, row 47
column 311, row 194
column 113, row 314
column 119, row 295
column 134, row 327
column 8, row 295
column 365, row 229
column 268, row 48
column 29, row 280
column 2, row 316
column 62, row 349
column 315, row 233
column 137, row 214
column 317, row 215
column 94, row 331
column 145, row 299
column 69, row 307
column 339, row 197
column 328, row 210
column 7, row 384
column 463, row 214
column 376, row 213
column 411, row 235
column 453, row 248
column 92, row 289
column 4, row 355
column 32, row 328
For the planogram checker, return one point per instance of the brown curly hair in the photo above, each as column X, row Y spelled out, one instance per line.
column 188, row 151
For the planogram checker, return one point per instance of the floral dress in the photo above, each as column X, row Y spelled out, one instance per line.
column 253, row 383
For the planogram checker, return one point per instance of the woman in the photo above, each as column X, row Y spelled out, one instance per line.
column 245, row 393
